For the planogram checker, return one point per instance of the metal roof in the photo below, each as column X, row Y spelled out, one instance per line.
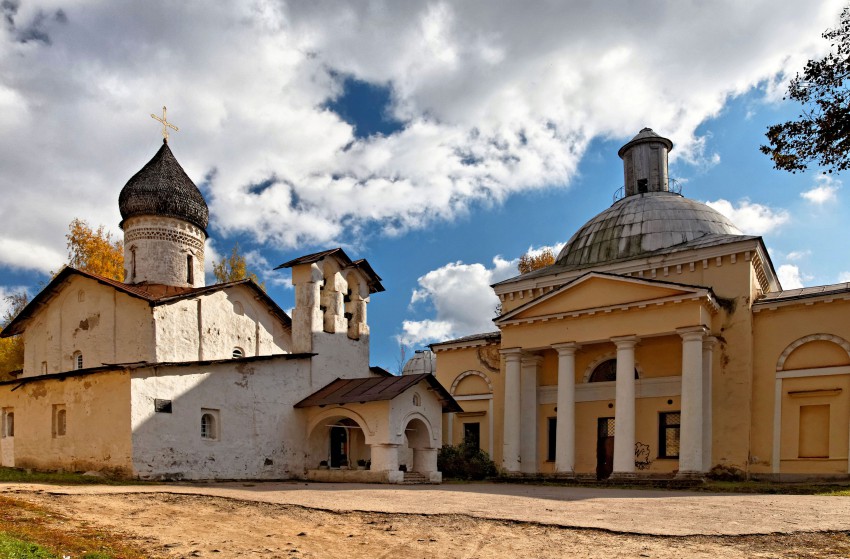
column 375, row 389
column 803, row 293
column 486, row 336
column 375, row 285
column 642, row 224
column 162, row 188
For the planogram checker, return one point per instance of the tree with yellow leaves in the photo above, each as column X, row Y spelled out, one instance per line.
column 529, row 262
column 94, row 250
column 12, row 349
column 234, row 268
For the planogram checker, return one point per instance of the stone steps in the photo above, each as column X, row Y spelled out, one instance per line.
column 415, row 478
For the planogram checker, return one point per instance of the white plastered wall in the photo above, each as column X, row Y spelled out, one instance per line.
column 212, row 325
column 260, row 434
column 104, row 324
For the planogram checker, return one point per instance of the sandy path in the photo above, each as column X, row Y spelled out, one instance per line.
column 667, row 513
column 186, row 526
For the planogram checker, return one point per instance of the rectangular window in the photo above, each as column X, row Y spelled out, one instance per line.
column 668, row 434
column 8, row 422
column 60, row 416
column 472, row 434
column 190, row 270
column 553, row 439
column 161, row 406
column 814, row 432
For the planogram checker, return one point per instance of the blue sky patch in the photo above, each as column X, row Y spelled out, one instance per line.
column 366, row 107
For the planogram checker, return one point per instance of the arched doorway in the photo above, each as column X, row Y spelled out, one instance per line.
column 418, row 454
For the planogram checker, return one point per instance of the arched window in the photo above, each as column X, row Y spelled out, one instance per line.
column 61, row 416
column 606, row 372
column 238, row 353
column 78, row 360
column 10, row 425
column 208, row 426
column 81, row 296
column 417, row 399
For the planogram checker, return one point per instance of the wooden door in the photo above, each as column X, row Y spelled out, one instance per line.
column 604, row 447
column 339, row 442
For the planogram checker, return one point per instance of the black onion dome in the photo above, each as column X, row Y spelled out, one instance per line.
column 162, row 188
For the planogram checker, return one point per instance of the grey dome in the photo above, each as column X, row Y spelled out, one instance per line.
column 162, row 188
column 642, row 224
column 423, row 361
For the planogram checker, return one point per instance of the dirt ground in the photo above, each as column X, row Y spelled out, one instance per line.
column 192, row 525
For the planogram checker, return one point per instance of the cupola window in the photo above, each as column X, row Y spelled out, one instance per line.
column 238, row 353
column 190, row 272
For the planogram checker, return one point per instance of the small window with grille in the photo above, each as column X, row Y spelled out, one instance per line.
column 668, row 434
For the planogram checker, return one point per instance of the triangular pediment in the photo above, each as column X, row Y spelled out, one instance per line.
column 600, row 291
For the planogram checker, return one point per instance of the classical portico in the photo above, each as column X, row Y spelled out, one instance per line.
column 676, row 378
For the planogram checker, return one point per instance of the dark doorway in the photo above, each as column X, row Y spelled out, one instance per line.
column 472, row 434
column 604, row 447
column 339, row 447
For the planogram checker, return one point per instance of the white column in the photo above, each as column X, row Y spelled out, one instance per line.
column 511, row 399
column 690, row 439
column 707, row 405
column 528, row 414
column 624, row 413
column 565, row 444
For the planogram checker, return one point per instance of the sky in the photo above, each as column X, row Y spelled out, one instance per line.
column 438, row 140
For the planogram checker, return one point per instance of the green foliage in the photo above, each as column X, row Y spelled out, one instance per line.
column 14, row 548
column 234, row 268
column 465, row 461
column 821, row 134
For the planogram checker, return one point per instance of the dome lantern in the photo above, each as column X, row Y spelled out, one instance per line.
column 645, row 163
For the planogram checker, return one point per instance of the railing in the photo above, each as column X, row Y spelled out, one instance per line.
column 673, row 186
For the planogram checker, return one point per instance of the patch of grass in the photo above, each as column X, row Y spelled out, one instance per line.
column 15, row 475
column 13, row 548
column 32, row 532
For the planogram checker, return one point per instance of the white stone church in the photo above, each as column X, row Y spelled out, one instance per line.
column 163, row 377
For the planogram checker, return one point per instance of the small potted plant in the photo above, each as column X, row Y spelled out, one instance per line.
column 323, row 465
column 361, row 464
column 402, row 467
column 368, row 464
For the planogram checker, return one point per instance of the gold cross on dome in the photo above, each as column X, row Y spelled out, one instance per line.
column 165, row 124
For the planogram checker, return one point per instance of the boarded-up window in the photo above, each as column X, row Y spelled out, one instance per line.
column 814, row 431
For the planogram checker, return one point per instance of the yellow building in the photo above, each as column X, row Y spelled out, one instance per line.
column 660, row 342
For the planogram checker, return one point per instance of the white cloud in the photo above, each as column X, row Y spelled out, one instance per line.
column 462, row 299
column 798, row 254
column 752, row 218
column 825, row 191
column 844, row 277
column 496, row 98
column 790, row 276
